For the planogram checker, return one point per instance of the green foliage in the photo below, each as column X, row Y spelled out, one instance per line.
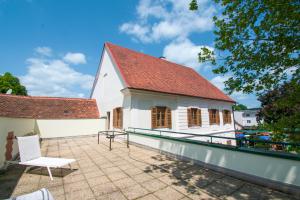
column 193, row 5
column 8, row 81
column 257, row 43
column 281, row 111
column 239, row 107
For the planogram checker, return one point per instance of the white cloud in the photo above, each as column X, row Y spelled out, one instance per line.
column 75, row 58
column 169, row 19
column 186, row 53
column 45, row 51
column 218, row 81
column 55, row 77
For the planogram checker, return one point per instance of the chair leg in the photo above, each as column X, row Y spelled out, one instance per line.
column 50, row 174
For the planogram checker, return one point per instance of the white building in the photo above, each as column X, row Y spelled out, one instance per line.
column 246, row 118
column 133, row 89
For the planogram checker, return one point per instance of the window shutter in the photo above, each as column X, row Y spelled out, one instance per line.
column 229, row 117
column 114, row 117
column 199, row 120
column 210, row 116
column 153, row 117
column 224, row 116
column 169, row 117
column 189, row 117
column 121, row 118
column 218, row 117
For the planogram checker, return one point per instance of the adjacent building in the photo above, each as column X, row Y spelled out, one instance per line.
column 246, row 118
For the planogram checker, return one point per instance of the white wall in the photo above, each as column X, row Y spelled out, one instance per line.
column 242, row 117
column 107, row 90
column 19, row 126
column 68, row 127
column 141, row 103
column 273, row 168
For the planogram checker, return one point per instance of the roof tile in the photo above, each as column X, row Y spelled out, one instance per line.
column 144, row 72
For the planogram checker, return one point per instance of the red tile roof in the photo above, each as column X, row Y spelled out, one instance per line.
column 47, row 107
column 144, row 72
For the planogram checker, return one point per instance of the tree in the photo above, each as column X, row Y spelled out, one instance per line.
column 281, row 110
column 257, row 44
column 8, row 81
column 239, row 107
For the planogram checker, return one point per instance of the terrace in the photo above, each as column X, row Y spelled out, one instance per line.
column 126, row 173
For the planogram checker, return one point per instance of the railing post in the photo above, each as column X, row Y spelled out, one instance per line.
column 211, row 139
column 127, row 139
column 160, row 133
column 110, row 143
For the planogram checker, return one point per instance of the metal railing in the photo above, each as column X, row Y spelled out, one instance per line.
column 240, row 142
column 111, row 134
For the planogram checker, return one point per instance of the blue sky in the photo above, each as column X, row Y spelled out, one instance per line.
column 54, row 46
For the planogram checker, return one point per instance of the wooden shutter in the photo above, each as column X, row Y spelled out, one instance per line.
column 120, row 118
column 229, row 117
column 218, row 117
column 210, row 116
column 153, row 117
column 224, row 116
column 169, row 117
column 189, row 117
column 199, row 120
column 114, row 118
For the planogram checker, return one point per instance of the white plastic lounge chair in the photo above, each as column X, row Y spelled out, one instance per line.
column 42, row 194
column 30, row 154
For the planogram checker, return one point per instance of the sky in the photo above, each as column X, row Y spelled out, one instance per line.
column 54, row 46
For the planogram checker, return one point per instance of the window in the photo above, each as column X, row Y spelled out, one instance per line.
column 248, row 121
column 161, row 117
column 194, row 117
column 214, row 117
column 118, row 118
column 247, row 115
column 226, row 117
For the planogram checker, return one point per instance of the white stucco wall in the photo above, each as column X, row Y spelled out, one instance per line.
column 141, row 103
column 107, row 90
column 273, row 168
column 68, row 127
column 19, row 126
column 246, row 118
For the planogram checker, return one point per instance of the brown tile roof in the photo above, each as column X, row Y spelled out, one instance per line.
column 47, row 107
column 144, row 72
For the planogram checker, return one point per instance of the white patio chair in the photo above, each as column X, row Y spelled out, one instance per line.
column 42, row 194
column 30, row 154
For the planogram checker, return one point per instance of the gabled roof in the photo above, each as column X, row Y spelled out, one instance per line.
column 47, row 107
column 144, row 72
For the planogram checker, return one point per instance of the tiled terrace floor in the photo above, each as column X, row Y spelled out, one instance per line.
column 122, row 173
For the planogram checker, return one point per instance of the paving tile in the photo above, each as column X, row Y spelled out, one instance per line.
column 80, row 194
column 80, row 185
column 97, row 180
column 134, row 192
column 133, row 171
column 153, row 185
column 103, row 189
column 56, row 191
column 149, row 197
column 142, row 177
column 93, row 174
column 73, row 178
column 125, row 182
column 224, row 186
column 168, row 192
column 112, row 196
column 117, row 175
